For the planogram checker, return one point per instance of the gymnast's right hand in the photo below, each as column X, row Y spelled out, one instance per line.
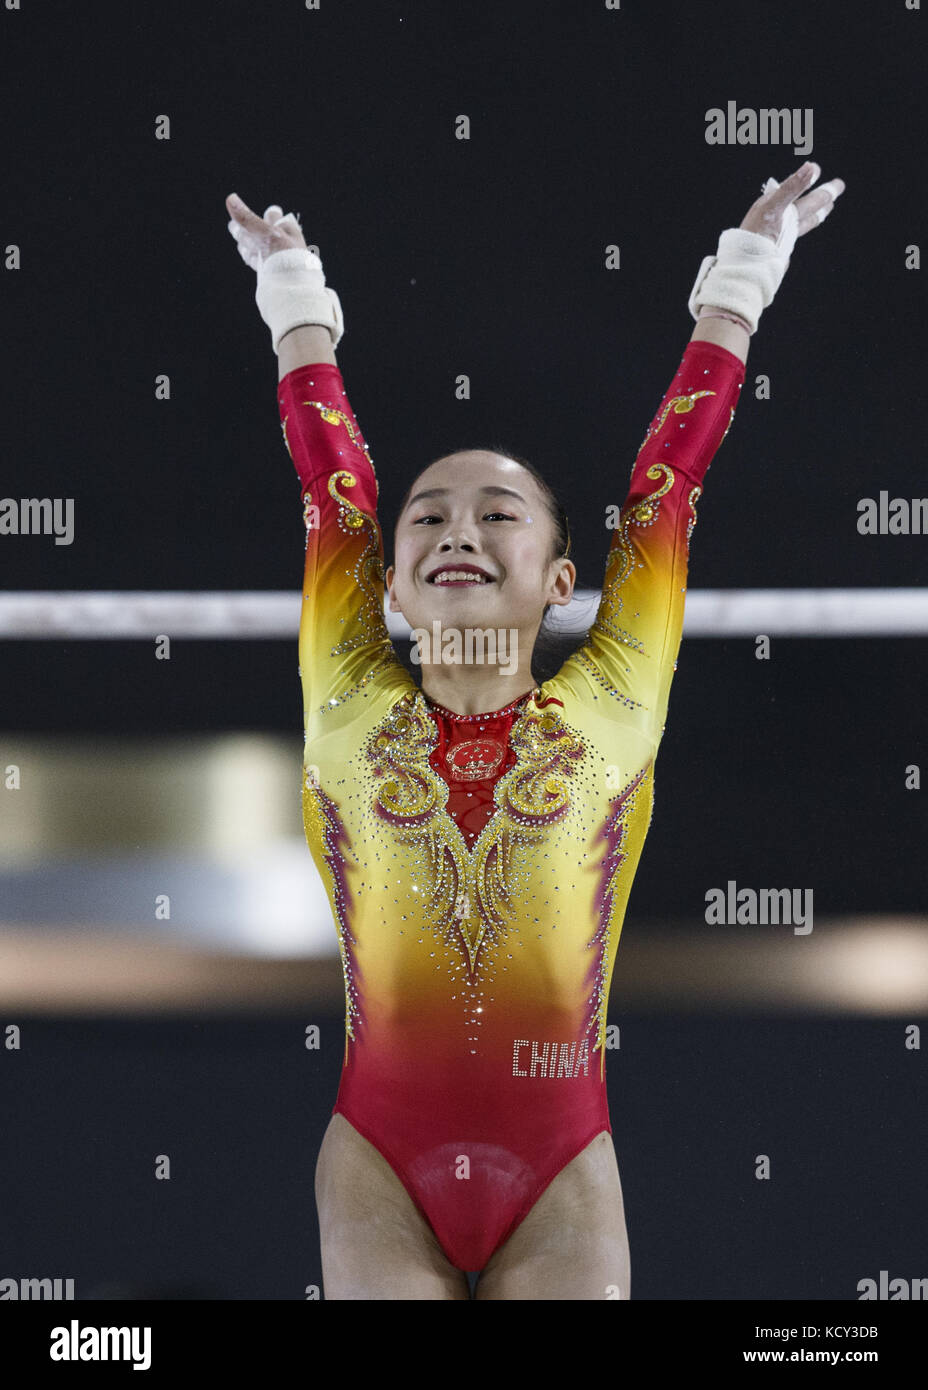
column 259, row 237
column 291, row 289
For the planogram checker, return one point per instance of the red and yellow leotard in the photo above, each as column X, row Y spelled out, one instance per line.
column 478, row 868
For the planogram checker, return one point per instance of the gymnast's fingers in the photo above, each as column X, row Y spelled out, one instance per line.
column 815, row 207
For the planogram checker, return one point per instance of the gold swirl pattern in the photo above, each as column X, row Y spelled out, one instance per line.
column 620, row 560
column 680, row 405
column 694, row 495
column 643, row 513
column 615, row 833
column 621, row 556
column 333, row 416
column 469, row 892
column 370, row 629
column 323, row 827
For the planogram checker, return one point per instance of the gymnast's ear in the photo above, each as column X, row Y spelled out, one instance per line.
column 388, row 579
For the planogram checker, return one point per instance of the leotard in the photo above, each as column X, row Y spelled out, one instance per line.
column 478, row 869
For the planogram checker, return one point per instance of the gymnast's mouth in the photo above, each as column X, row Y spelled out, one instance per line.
column 459, row 574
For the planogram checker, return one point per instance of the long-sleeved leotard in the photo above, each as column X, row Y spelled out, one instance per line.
column 478, row 868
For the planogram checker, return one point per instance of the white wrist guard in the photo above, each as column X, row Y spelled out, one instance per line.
column 747, row 269
column 292, row 291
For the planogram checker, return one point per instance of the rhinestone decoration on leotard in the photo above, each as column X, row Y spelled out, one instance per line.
column 412, row 798
column 680, row 405
column 608, row 897
column 368, row 569
column 324, row 828
column 474, row 901
column 333, row 416
column 475, row 759
column 367, row 572
column 475, row 718
column 694, row 496
column 643, row 513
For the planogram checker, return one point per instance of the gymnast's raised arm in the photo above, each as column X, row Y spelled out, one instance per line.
column 739, row 285
column 297, row 293
column 344, row 643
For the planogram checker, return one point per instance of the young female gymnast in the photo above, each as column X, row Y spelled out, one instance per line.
column 478, row 835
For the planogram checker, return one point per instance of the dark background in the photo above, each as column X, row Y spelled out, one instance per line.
column 485, row 257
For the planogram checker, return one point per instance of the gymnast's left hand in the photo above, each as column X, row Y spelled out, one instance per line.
column 259, row 237
column 788, row 210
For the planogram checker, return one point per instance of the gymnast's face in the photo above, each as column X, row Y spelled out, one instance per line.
column 477, row 508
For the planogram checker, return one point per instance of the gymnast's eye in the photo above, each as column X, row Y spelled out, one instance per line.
column 432, row 517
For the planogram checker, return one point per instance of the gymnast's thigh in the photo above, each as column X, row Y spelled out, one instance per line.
column 573, row 1244
column 375, row 1242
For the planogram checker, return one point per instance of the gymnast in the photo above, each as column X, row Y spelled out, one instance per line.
column 478, row 833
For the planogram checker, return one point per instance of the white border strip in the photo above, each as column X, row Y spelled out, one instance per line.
column 121, row 614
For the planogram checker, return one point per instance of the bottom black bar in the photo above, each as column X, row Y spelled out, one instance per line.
column 59, row 1341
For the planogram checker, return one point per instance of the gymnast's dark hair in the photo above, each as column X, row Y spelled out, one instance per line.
column 545, row 646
